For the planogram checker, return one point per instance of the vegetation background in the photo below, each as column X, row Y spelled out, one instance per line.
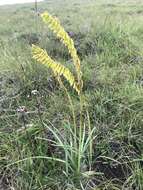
column 109, row 38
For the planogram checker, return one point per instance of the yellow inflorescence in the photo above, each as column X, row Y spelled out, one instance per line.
column 60, row 70
column 55, row 26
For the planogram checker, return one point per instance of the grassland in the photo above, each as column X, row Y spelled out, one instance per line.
column 109, row 38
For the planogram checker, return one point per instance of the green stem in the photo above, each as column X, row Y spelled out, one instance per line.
column 80, row 135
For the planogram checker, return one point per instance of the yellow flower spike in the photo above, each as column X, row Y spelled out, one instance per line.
column 55, row 26
column 41, row 56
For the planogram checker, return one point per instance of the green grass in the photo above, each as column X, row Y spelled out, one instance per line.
column 109, row 39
